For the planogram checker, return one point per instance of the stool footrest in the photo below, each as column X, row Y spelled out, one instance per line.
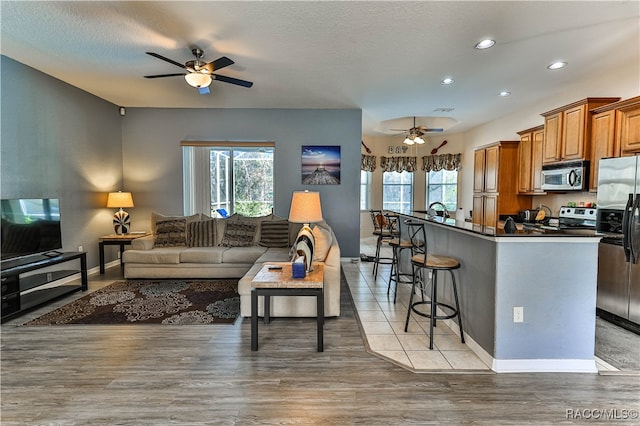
column 438, row 317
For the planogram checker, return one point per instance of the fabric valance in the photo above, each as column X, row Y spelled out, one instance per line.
column 398, row 164
column 368, row 163
column 435, row 163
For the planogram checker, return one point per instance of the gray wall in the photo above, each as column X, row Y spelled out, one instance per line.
column 58, row 141
column 152, row 157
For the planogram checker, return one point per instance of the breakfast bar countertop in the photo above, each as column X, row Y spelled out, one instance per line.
column 496, row 231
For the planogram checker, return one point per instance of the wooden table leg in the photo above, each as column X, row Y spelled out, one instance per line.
column 320, row 315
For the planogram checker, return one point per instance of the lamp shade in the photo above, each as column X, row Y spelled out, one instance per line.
column 305, row 207
column 119, row 200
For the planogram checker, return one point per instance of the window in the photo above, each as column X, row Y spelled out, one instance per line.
column 238, row 179
column 397, row 191
column 365, row 189
column 442, row 186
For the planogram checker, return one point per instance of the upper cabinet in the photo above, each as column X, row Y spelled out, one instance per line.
column 567, row 130
column 615, row 132
column 494, row 186
column 530, row 161
column 629, row 127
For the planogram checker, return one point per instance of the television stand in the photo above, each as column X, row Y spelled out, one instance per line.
column 21, row 292
column 53, row 253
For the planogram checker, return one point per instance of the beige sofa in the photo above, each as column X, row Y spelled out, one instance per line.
column 210, row 251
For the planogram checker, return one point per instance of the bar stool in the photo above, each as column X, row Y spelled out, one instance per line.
column 398, row 244
column 421, row 260
column 382, row 230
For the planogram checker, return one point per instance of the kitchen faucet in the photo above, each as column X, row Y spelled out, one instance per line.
column 445, row 212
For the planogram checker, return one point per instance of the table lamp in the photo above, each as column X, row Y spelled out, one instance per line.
column 121, row 219
column 306, row 209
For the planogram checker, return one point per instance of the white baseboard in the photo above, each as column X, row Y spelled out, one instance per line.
column 544, row 366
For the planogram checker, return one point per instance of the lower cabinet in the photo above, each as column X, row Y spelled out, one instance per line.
column 485, row 210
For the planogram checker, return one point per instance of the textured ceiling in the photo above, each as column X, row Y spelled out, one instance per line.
column 386, row 58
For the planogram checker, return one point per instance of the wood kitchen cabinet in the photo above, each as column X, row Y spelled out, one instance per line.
column 615, row 132
column 628, row 127
column 494, row 185
column 567, row 130
column 530, row 161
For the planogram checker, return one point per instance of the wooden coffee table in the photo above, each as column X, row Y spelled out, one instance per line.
column 280, row 282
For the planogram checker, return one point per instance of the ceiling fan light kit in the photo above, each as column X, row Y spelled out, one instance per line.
column 197, row 79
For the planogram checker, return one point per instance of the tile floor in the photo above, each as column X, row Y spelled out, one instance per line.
column 383, row 324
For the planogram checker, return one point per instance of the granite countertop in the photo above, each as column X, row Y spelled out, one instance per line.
column 496, row 231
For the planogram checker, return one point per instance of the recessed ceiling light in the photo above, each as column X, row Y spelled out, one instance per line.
column 485, row 44
column 504, row 93
column 447, row 80
column 557, row 65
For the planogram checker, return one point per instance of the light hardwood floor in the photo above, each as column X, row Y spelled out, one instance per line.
column 193, row 375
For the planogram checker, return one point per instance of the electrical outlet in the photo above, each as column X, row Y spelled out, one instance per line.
column 80, row 248
column 518, row 314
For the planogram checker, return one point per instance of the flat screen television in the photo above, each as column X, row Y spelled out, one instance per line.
column 29, row 226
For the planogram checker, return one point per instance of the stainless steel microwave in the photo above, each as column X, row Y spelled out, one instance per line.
column 568, row 176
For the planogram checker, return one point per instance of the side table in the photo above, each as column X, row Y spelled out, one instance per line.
column 280, row 282
column 117, row 240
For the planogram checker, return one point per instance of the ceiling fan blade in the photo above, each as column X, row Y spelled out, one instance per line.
column 171, row 61
column 436, row 129
column 232, row 80
column 218, row 64
column 163, row 75
column 204, row 90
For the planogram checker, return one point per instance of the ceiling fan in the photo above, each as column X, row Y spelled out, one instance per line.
column 413, row 135
column 199, row 73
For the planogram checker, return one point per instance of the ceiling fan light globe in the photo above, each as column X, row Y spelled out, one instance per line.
column 418, row 140
column 408, row 141
column 196, row 79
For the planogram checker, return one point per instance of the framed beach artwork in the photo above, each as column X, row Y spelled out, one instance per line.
column 320, row 165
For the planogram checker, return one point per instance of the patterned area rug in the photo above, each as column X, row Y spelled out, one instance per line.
column 152, row 302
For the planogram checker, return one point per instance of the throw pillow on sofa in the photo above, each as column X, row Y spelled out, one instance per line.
column 238, row 233
column 155, row 217
column 274, row 233
column 322, row 243
column 170, row 233
column 201, row 233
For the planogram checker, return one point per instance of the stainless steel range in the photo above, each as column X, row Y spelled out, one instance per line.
column 570, row 218
column 577, row 218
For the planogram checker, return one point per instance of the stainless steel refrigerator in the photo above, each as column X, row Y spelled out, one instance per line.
column 619, row 251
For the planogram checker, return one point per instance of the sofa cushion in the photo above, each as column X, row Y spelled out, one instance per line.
column 238, row 233
column 274, row 233
column 159, row 255
column 211, row 255
column 171, row 232
column 322, row 243
column 275, row 254
column 201, row 233
column 242, row 254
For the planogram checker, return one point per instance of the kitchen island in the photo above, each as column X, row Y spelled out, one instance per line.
column 550, row 274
